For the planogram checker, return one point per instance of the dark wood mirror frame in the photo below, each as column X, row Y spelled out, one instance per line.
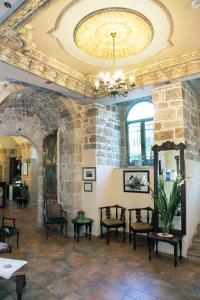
column 168, row 146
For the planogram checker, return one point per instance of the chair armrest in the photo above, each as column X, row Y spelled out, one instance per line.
column 64, row 212
column 9, row 219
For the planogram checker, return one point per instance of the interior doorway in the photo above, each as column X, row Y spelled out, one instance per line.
column 18, row 171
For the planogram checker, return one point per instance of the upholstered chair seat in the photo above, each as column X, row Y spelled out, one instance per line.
column 141, row 220
column 112, row 221
column 141, row 226
column 112, row 217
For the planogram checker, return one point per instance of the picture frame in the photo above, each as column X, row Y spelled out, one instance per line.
column 135, row 181
column 89, row 174
column 25, row 169
column 87, row 186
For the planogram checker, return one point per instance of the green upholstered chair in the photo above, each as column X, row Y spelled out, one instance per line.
column 112, row 217
column 54, row 216
column 8, row 228
column 141, row 220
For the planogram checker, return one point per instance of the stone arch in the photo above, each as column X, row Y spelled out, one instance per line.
column 37, row 112
column 21, row 122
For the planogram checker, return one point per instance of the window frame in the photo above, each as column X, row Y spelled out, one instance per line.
column 142, row 132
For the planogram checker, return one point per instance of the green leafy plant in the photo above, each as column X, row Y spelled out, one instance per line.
column 167, row 208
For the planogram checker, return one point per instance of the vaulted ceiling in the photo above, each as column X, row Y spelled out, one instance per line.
column 68, row 42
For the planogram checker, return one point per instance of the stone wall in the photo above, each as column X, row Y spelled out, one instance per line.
column 5, row 155
column 102, row 132
column 191, row 106
column 169, row 114
column 176, row 117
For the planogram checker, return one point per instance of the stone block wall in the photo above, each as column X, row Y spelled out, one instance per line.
column 191, row 106
column 5, row 155
column 169, row 114
column 102, row 132
column 176, row 117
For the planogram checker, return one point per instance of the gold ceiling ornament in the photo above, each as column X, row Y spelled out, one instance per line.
column 134, row 33
column 113, row 84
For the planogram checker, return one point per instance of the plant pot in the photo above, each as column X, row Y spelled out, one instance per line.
column 80, row 215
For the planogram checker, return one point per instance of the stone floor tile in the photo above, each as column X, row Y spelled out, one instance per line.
column 62, row 269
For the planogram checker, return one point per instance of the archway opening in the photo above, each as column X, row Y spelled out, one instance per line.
column 19, row 170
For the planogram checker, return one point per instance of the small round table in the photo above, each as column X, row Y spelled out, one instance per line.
column 80, row 222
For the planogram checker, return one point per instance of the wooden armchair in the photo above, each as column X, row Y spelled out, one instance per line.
column 54, row 215
column 112, row 222
column 8, row 228
column 137, row 225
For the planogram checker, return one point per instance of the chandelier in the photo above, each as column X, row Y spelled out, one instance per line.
column 113, row 84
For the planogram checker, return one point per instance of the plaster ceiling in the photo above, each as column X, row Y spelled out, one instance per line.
column 174, row 22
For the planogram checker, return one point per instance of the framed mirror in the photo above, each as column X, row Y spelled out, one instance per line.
column 168, row 162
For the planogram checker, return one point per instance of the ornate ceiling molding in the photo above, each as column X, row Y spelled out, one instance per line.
column 85, row 10
column 43, row 69
column 170, row 69
column 23, row 14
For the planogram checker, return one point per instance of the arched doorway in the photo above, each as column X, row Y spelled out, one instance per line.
column 19, row 166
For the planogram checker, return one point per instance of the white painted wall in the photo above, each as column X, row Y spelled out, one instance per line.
column 108, row 190
column 192, row 199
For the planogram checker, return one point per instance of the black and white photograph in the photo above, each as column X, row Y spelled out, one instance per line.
column 89, row 174
column 136, row 181
column 87, row 186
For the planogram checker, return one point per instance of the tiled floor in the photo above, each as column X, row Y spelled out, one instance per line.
column 61, row 268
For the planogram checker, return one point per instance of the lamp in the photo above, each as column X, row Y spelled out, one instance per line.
column 113, row 84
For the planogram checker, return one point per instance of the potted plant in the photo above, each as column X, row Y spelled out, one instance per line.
column 168, row 207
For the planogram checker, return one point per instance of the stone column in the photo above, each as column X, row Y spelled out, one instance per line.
column 169, row 122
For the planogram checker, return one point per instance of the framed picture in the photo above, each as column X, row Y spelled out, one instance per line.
column 89, row 174
column 25, row 169
column 136, row 181
column 87, row 186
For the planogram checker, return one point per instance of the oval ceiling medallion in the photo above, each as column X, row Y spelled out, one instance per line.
column 83, row 29
column 134, row 33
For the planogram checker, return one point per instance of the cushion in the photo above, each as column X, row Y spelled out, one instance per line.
column 4, row 247
column 112, row 222
column 141, row 226
column 10, row 230
column 56, row 220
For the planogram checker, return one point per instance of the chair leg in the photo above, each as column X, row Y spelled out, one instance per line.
column 17, row 240
column 66, row 229
column 129, row 236
column 47, row 235
column 116, row 232
column 124, row 235
column 101, row 234
column 108, row 235
column 134, row 241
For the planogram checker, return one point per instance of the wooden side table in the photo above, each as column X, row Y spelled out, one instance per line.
column 18, row 277
column 81, row 222
column 175, row 240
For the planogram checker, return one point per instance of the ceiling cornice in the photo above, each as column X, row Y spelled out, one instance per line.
column 169, row 69
column 23, row 14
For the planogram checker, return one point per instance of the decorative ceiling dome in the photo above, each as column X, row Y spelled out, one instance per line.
column 134, row 33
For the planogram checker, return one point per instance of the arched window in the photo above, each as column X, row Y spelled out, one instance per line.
column 140, row 133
